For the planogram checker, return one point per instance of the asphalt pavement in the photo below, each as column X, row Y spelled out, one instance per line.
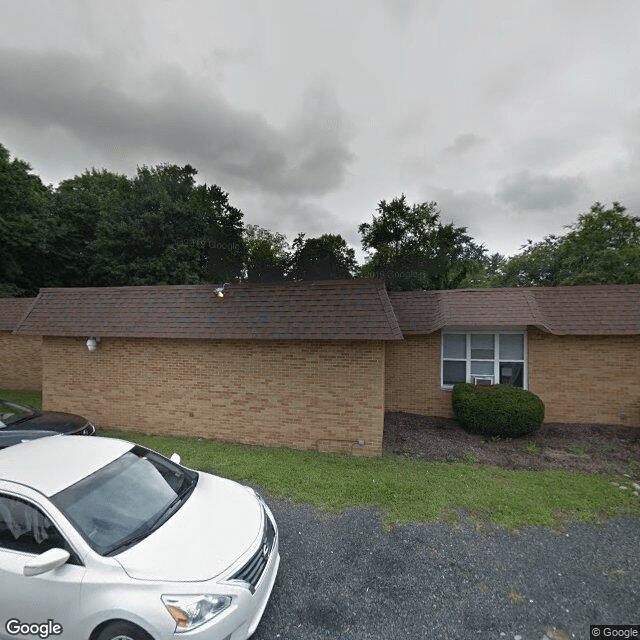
column 348, row 577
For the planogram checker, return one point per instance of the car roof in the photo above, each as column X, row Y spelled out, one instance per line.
column 52, row 464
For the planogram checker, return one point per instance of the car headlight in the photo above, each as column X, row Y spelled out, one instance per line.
column 87, row 430
column 191, row 611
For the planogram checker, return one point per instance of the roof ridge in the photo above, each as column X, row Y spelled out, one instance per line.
column 443, row 306
column 309, row 283
column 130, row 287
column 388, row 309
column 537, row 313
column 26, row 314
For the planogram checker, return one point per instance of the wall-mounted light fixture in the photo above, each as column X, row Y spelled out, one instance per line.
column 92, row 343
column 219, row 291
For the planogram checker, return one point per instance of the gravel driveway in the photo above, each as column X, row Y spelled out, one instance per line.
column 345, row 577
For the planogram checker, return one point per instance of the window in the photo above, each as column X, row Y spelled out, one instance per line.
column 483, row 358
column 25, row 528
column 109, row 515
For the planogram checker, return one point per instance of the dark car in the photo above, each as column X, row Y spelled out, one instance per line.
column 9, row 437
column 24, row 417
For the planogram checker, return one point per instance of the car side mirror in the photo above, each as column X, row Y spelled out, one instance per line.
column 46, row 561
column 175, row 458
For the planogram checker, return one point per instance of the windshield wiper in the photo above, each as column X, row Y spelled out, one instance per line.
column 164, row 515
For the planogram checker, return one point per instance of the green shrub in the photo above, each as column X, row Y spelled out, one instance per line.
column 500, row 411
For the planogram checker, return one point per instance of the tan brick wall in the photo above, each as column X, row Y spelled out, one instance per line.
column 20, row 362
column 299, row 394
column 412, row 381
column 586, row 378
column 579, row 378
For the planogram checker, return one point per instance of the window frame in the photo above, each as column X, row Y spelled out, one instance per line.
column 495, row 332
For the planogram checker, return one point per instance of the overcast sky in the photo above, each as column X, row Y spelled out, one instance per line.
column 514, row 115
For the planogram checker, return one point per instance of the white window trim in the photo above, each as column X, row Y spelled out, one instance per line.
column 496, row 360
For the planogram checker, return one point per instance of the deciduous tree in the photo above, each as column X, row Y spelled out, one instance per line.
column 78, row 208
column 23, row 227
column 412, row 249
column 268, row 255
column 601, row 247
column 324, row 258
column 170, row 231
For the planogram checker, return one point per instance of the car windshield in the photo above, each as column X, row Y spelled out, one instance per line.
column 125, row 501
column 14, row 412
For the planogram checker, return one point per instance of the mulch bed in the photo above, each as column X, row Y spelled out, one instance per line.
column 591, row 448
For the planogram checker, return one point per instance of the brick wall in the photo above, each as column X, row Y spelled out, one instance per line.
column 299, row 394
column 412, row 382
column 586, row 378
column 579, row 378
column 21, row 362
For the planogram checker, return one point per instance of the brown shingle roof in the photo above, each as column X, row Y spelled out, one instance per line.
column 12, row 310
column 323, row 310
column 591, row 310
column 581, row 310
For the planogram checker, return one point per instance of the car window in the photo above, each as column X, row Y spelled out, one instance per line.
column 23, row 527
column 126, row 500
column 13, row 412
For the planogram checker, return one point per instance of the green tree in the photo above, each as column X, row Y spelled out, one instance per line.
column 324, row 258
column 24, row 227
column 268, row 255
column 170, row 231
column 537, row 265
column 601, row 247
column 412, row 249
column 487, row 273
column 78, row 207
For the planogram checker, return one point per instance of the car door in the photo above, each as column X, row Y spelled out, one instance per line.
column 51, row 598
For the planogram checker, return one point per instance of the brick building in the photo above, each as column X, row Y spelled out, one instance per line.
column 288, row 364
column 316, row 364
column 578, row 348
column 21, row 361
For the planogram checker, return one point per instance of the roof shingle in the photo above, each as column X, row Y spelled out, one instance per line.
column 578, row 310
column 12, row 311
column 322, row 310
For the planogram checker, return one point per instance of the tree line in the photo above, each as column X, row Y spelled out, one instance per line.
column 161, row 227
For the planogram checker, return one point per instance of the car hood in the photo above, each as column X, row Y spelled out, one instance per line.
column 52, row 421
column 218, row 523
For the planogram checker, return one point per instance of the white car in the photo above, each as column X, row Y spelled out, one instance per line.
column 102, row 539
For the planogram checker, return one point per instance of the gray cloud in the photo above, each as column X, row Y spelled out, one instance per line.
column 485, row 219
column 310, row 156
column 499, row 226
column 462, row 144
column 530, row 192
column 293, row 214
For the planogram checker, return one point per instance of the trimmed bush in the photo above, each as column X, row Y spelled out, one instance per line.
column 500, row 411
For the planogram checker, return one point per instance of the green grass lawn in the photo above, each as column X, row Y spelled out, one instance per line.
column 405, row 490
column 33, row 398
column 408, row 490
